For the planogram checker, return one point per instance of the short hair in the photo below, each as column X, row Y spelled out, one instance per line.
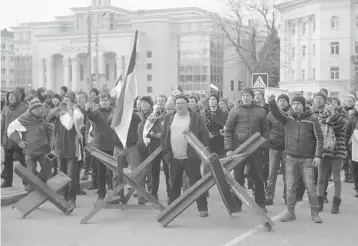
column 161, row 95
column 83, row 93
column 64, row 88
column 181, row 96
column 195, row 98
column 324, row 90
column 105, row 95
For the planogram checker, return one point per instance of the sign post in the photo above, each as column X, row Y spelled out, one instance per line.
column 259, row 80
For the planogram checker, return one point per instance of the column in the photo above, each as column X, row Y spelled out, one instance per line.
column 49, row 73
column 41, row 73
column 298, row 54
column 75, row 79
column 66, row 75
column 309, row 52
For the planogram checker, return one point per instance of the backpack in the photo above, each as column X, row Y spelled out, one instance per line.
column 329, row 140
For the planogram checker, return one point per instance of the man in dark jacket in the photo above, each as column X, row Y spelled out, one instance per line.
column 102, row 136
column 13, row 109
column 277, row 146
column 35, row 140
column 242, row 123
column 179, row 153
column 304, row 146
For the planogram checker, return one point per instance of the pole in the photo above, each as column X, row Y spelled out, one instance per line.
column 97, row 72
column 89, row 49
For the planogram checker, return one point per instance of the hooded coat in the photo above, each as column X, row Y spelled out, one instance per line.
column 8, row 115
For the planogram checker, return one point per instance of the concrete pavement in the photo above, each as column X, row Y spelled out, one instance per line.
column 48, row 226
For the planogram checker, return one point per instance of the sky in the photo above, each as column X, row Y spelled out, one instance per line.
column 18, row 11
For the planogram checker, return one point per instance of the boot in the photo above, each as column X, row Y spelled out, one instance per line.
column 315, row 216
column 289, row 216
column 320, row 203
column 6, row 184
column 335, row 205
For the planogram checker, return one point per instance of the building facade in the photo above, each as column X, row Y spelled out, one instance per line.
column 319, row 46
column 7, row 58
column 176, row 47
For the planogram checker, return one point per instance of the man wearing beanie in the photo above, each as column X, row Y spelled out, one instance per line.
column 242, row 123
column 332, row 117
column 32, row 134
column 303, row 148
column 277, row 149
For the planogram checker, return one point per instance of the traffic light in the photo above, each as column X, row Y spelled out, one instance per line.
column 240, row 85
column 232, row 85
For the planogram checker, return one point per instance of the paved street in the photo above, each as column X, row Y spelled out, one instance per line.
column 48, row 226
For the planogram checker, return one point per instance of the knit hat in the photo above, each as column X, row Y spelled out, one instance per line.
column 216, row 97
column 248, row 91
column 35, row 103
column 147, row 99
column 71, row 96
column 299, row 99
column 283, row 96
column 224, row 100
column 320, row 94
column 352, row 96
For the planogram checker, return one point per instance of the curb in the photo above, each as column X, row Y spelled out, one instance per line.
column 14, row 198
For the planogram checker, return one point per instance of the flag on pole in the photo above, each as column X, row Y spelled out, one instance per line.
column 124, row 106
column 116, row 91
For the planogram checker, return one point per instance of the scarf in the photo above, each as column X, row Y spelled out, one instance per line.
column 219, row 117
column 23, row 122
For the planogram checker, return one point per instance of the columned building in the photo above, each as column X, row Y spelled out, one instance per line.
column 319, row 46
column 175, row 47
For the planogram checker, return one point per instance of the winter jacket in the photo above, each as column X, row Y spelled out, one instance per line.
column 8, row 115
column 338, row 122
column 157, row 128
column 102, row 131
column 243, row 122
column 303, row 133
column 351, row 126
column 196, row 126
column 132, row 137
column 277, row 132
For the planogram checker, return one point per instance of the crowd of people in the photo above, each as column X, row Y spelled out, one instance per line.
column 310, row 142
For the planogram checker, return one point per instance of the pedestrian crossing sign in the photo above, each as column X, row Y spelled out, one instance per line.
column 260, row 80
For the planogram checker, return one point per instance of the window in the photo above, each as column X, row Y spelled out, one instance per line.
column 3, row 70
column 334, row 94
column 314, row 49
column 356, row 47
column 149, row 66
column 3, row 58
column 313, row 73
column 334, row 48
column 334, row 72
column 303, row 50
column 149, row 54
column 293, row 29
column 303, row 27
column 149, row 77
column 293, row 52
column 303, row 74
column 149, row 89
column 82, row 73
column 3, row 46
column 334, row 22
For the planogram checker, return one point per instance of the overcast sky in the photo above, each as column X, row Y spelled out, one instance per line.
column 12, row 11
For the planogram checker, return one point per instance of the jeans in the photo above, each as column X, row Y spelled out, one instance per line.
column 294, row 168
column 69, row 167
column 156, row 174
column 322, row 181
column 192, row 168
column 355, row 174
column 256, row 171
column 9, row 163
column 148, row 174
column 101, row 174
column 131, row 154
column 276, row 157
column 31, row 162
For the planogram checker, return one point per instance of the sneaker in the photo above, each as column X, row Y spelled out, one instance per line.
column 315, row 217
column 81, row 192
column 204, row 213
column 289, row 216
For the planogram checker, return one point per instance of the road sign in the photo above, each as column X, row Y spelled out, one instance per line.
column 260, row 80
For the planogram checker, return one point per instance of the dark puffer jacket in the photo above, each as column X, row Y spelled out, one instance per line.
column 8, row 115
column 243, row 122
column 277, row 132
column 303, row 133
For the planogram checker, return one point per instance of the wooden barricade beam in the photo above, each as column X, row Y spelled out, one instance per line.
column 132, row 180
column 43, row 189
column 35, row 199
column 207, row 181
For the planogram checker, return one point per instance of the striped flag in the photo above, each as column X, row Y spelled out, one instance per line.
column 116, row 91
column 124, row 107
